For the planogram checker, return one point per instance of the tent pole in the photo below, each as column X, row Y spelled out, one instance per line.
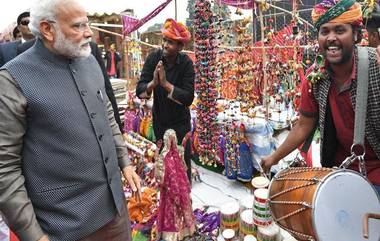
column 175, row 4
column 264, row 67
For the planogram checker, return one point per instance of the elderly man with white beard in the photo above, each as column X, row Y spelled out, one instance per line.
column 61, row 151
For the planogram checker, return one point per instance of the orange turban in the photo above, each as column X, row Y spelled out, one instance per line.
column 337, row 11
column 176, row 31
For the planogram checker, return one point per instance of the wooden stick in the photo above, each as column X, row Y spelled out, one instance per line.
column 265, row 77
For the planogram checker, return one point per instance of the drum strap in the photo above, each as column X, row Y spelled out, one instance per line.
column 361, row 105
column 361, row 97
column 360, row 111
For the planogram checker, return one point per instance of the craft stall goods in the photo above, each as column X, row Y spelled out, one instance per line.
column 231, row 154
column 227, row 69
column 207, row 223
column 268, row 69
column 139, row 145
column 250, row 238
column 246, row 203
column 268, row 233
column 229, row 235
column 247, row 87
column 205, row 85
column 229, row 216
column 175, row 216
column 138, row 117
column 144, row 210
column 260, row 182
column 142, row 153
column 134, row 60
column 237, row 155
column 261, row 213
column 243, row 141
column 247, row 227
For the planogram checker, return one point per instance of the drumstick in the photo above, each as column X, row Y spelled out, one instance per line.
column 262, row 171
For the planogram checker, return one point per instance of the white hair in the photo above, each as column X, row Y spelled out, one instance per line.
column 42, row 10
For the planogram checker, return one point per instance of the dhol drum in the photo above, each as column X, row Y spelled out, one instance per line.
column 268, row 233
column 250, row 238
column 229, row 216
column 323, row 204
column 228, row 234
column 260, row 182
column 261, row 212
column 246, row 203
column 247, row 227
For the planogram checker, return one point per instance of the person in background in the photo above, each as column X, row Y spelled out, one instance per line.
column 61, row 151
column 9, row 50
column 16, row 34
column 372, row 25
column 328, row 102
column 169, row 74
column 112, row 62
column 109, row 91
column 22, row 24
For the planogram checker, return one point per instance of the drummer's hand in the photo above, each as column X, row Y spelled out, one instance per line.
column 267, row 162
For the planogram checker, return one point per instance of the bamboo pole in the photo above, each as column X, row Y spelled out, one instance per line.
column 253, row 25
column 127, row 38
column 286, row 11
column 127, row 60
column 175, row 5
column 265, row 77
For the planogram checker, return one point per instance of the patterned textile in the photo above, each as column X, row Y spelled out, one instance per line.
column 337, row 11
column 70, row 167
column 129, row 118
column 176, row 30
column 143, row 211
column 372, row 130
column 175, row 216
column 244, row 4
column 131, row 24
column 245, row 165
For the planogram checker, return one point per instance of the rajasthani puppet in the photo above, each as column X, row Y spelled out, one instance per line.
column 175, row 217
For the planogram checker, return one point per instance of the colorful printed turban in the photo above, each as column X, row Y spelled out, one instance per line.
column 337, row 11
column 176, row 31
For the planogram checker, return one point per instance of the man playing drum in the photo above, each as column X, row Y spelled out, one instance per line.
column 327, row 102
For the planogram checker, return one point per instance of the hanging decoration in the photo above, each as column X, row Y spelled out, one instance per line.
column 131, row 24
column 247, row 91
column 231, row 155
column 205, row 85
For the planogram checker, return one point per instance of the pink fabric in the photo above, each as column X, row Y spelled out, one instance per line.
column 129, row 118
column 244, row 4
column 131, row 24
column 175, row 211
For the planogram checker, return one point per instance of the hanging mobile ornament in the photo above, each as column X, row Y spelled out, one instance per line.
column 205, row 85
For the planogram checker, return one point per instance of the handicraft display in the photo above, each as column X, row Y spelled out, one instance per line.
column 205, row 85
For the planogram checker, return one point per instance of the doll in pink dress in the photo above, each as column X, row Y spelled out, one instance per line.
column 175, row 217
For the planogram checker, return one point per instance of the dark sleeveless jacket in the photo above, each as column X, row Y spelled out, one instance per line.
column 326, row 124
column 69, row 158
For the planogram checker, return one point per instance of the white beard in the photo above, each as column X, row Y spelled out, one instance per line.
column 67, row 48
